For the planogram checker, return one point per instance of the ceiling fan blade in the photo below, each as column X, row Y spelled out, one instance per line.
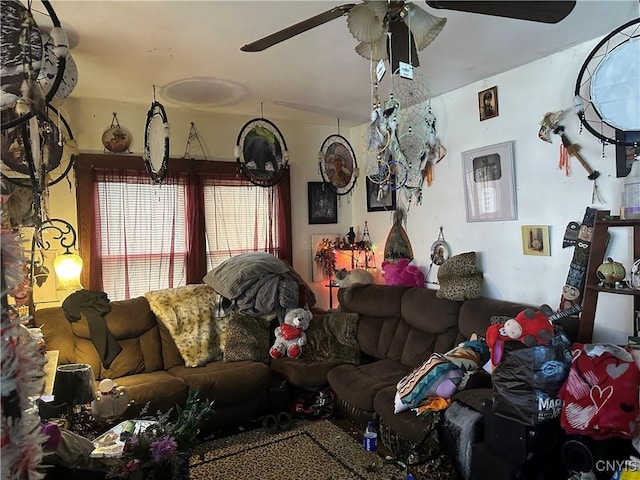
column 297, row 29
column 542, row 11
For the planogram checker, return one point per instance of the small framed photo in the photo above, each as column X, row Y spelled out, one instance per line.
column 489, row 183
column 626, row 154
column 379, row 198
column 323, row 204
column 535, row 240
column 488, row 103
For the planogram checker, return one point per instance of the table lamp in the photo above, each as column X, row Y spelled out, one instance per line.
column 74, row 385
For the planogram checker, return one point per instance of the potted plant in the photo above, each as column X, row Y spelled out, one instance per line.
column 162, row 449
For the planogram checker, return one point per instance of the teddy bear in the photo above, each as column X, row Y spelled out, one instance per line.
column 290, row 335
column 530, row 326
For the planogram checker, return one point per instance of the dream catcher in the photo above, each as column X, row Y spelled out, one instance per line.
column 261, row 152
column 607, row 93
column 438, row 254
column 29, row 79
column 337, row 164
column 39, row 152
column 156, row 142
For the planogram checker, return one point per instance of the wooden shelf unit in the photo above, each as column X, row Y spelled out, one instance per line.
column 603, row 221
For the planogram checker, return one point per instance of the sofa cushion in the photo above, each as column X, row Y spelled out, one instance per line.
column 188, row 314
column 160, row 390
column 134, row 326
column 333, row 337
column 303, row 373
column 247, row 338
column 226, row 382
column 358, row 385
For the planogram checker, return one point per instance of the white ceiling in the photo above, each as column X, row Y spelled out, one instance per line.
column 123, row 48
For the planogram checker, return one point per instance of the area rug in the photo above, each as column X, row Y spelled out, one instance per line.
column 308, row 451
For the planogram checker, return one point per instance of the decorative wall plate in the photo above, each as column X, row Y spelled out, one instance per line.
column 116, row 139
column 261, row 152
column 337, row 164
column 156, row 142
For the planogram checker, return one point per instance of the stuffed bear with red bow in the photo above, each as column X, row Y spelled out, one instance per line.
column 530, row 326
column 290, row 335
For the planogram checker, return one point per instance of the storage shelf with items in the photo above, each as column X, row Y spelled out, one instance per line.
column 593, row 283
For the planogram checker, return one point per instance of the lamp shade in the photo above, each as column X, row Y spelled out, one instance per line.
column 74, row 384
column 68, row 267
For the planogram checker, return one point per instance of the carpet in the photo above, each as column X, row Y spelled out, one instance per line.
column 308, row 451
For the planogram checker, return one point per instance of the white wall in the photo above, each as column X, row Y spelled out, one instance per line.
column 544, row 194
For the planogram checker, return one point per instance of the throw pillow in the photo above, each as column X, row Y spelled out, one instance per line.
column 459, row 278
column 247, row 338
column 188, row 314
column 333, row 337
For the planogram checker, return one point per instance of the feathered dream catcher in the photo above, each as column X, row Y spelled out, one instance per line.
column 337, row 164
column 607, row 96
column 36, row 66
column 191, row 140
column 261, row 152
column 401, row 140
column 45, row 158
column 156, row 141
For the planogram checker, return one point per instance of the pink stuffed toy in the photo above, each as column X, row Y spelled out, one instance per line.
column 531, row 327
column 401, row 273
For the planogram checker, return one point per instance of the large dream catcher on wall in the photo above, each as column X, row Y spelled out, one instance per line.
column 156, row 142
column 337, row 164
column 261, row 152
column 607, row 93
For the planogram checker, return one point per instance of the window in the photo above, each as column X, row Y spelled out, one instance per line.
column 136, row 236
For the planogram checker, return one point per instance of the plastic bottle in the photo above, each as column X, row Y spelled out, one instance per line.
column 370, row 440
column 631, row 195
column 370, row 444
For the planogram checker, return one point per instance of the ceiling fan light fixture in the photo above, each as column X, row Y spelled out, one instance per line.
column 374, row 51
column 424, row 26
column 366, row 21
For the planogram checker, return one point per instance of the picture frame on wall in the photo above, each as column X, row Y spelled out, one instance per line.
column 488, row 103
column 323, row 204
column 535, row 240
column 377, row 201
column 626, row 154
column 489, row 183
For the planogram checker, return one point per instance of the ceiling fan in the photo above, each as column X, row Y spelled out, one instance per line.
column 370, row 21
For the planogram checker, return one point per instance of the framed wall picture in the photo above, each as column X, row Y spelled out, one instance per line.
column 379, row 200
column 323, row 204
column 535, row 240
column 489, row 183
column 488, row 103
column 625, row 155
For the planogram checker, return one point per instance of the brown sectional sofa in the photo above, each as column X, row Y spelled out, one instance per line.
column 153, row 370
column 399, row 328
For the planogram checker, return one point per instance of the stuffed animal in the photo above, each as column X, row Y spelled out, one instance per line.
column 402, row 273
column 531, row 327
column 290, row 335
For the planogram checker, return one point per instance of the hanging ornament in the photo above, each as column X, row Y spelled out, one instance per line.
column 116, row 139
column 156, row 141
column 193, row 137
